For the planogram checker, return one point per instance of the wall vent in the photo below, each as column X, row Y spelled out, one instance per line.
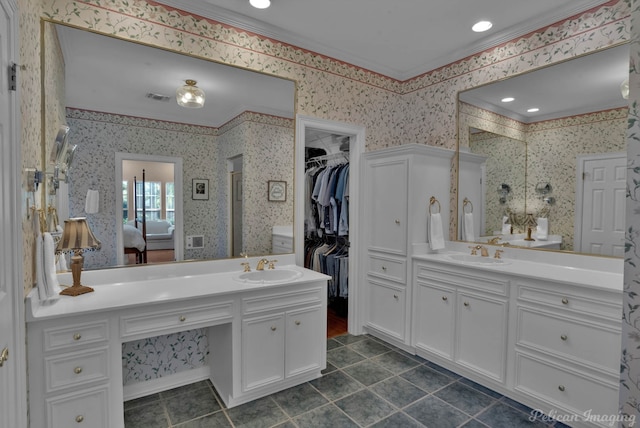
column 158, row 97
column 195, row 241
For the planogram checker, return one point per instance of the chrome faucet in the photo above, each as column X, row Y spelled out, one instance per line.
column 261, row 264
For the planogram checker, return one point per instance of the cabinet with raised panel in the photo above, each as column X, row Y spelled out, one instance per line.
column 397, row 185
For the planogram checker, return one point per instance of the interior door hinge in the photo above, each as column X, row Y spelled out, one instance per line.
column 13, row 77
column 584, row 176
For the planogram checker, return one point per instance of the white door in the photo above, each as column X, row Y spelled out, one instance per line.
column 12, row 376
column 603, row 205
column 236, row 212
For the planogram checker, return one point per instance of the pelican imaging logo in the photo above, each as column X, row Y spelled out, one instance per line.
column 587, row 416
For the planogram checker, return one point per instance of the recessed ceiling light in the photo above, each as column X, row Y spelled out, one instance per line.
column 507, row 99
column 260, row 4
column 481, row 26
column 533, row 110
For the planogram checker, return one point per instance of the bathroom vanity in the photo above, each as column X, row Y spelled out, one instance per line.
column 545, row 333
column 267, row 332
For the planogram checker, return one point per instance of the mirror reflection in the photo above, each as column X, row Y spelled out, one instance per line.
column 119, row 100
column 569, row 123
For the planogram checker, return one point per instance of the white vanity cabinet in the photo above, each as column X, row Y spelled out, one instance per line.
column 73, row 373
column 567, row 350
column 461, row 316
column 280, row 337
column 397, row 185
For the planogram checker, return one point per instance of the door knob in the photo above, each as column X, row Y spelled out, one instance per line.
column 4, row 356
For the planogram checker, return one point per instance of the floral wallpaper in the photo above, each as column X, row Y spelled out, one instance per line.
column 420, row 110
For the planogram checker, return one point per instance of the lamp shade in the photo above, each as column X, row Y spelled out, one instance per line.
column 190, row 95
column 77, row 236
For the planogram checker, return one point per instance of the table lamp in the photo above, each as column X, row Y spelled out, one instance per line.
column 76, row 238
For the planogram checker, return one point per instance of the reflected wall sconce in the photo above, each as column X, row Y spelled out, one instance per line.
column 190, row 95
column 543, row 189
column 260, row 4
column 76, row 238
column 624, row 89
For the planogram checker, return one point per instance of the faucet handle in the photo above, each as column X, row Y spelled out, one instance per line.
column 497, row 254
column 272, row 264
column 244, row 254
column 247, row 267
column 474, row 251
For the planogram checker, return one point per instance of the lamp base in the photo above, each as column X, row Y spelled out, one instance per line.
column 76, row 290
column 529, row 238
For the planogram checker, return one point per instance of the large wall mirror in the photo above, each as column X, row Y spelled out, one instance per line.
column 546, row 151
column 206, row 170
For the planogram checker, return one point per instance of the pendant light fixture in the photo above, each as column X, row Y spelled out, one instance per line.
column 190, row 95
column 260, row 4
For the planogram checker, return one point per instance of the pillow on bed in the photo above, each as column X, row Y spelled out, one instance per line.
column 132, row 238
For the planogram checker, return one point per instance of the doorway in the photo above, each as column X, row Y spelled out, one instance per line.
column 342, row 144
column 163, row 202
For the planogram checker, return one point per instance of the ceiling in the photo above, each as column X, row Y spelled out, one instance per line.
column 398, row 39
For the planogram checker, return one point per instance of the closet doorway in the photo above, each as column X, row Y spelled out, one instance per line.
column 326, row 226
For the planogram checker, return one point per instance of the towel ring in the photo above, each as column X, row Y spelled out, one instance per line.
column 432, row 202
column 465, row 203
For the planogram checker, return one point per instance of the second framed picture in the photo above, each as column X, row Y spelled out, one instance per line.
column 277, row 191
column 200, row 189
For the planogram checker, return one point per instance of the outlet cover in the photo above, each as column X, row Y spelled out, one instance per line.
column 195, row 241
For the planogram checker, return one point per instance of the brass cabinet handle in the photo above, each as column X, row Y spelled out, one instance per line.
column 182, row 318
column 565, row 301
column 77, row 336
column 397, row 221
column 395, row 296
column 466, row 304
column 561, row 387
column 445, row 298
column 563, row 337
column 4, row 356
column 298, row 322
column 79, row 418
column 77, row 370
column 384, row 268
column 273, row 328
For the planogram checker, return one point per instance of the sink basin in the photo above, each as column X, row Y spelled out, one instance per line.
column 268, row 276
column 476, row 260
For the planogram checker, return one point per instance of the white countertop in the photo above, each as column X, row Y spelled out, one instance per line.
column 565, row 268
column 123, row 288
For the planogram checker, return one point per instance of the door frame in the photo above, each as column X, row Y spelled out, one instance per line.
column 581, row 160
column 356, row 149
column 178, row 244
column 15, row 213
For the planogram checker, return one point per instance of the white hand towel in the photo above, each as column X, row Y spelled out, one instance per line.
column 542, row 229
column 92, row 202
column 467, row 221
column 506, row 227
column 62, row 260
column 49, row 263
column 40, row 281
column 436, row 235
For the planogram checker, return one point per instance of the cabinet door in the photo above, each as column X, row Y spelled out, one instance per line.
column 262, row 351
column 303, row 348
column 386, row 204
column 434, row 319
column 387, row 308
column 482, row 334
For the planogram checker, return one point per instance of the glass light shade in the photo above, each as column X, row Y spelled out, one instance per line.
column 624, row 89
column 260, row 4
column 190, row 95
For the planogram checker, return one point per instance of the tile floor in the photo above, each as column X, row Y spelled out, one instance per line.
column 367, row 383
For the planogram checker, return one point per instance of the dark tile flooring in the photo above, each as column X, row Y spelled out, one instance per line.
column 367, row 383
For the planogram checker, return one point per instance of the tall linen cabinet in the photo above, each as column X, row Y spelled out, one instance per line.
column 397, row 184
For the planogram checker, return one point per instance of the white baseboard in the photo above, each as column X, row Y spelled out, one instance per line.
column 148, row 387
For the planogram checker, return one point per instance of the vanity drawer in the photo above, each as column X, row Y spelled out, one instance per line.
column 461, row 276
column 174, row 320
column 570, row 389
column 572, row 302
column 87, row 408
column 69, row 336
column 280, row 301
column 75, row 369
column 590, row 343
column 387, row 268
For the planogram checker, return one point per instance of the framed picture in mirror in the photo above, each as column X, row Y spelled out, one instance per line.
column 200, row 189
column 277, row 191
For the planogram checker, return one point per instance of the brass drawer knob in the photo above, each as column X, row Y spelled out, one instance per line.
column 466, row 304
column 273, row 328
column 561, row 387
column 79, row 418
column 565, row 301
column 395, row 296
column 397, row 221
column 77, row 370
column 298, row 322
column 445, row 298
column 77, row 336
column 564, row 337
column 384, row 268
column 182, row 318
column 4, row 356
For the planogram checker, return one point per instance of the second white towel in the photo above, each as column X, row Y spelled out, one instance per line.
column 435, row 232
column 468, row 233
column 49, row 267
column 542, row 229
